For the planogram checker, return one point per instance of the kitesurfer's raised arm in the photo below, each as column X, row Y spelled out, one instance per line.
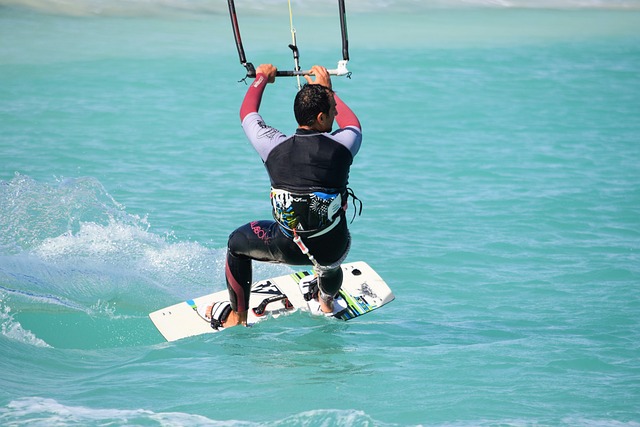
column 344, row 116
column 265, row 73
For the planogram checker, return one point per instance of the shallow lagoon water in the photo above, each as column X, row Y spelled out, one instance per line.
column 500, row 186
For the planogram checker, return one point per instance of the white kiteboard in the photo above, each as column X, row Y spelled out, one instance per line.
column 363, row 290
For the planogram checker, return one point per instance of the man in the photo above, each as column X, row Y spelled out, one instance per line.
column 309, row 174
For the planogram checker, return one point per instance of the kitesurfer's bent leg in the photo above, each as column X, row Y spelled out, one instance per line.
column 238, row 272
column 265, row 241
column 260, row 241
column 330, row 250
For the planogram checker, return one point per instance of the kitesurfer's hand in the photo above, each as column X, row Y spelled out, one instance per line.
column 321, row 75
column 268, row 70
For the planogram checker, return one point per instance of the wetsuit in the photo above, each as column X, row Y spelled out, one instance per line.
column 309, row 173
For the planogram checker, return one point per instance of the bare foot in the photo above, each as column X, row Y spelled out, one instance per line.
column 326, row 306
column 235, row 319
column 232, row 319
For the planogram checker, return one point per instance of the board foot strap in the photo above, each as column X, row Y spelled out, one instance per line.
column 261, row 309
column 219, row 313
column 310, row 289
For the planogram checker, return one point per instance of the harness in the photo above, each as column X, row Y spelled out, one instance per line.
column 311, row 215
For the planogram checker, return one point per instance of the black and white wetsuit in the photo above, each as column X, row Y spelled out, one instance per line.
column 309, row 173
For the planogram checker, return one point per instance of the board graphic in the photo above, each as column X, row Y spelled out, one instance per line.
column 363, row 291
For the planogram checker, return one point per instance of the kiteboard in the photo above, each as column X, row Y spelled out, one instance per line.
column 363, row 291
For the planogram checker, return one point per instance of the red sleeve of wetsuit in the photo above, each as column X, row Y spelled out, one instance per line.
column 345, row 116
column 252, row 99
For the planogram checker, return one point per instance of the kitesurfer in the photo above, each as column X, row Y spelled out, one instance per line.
column 309, row 173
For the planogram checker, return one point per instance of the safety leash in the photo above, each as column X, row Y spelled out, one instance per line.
column 317, row 267
column 298, row 241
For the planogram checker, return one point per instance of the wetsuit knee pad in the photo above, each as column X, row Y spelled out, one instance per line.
column 238, row 242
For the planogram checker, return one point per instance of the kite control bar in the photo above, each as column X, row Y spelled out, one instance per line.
column 340, row 70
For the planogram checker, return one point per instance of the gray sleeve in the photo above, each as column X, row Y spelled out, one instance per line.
column 350, row 137
column 263, row 137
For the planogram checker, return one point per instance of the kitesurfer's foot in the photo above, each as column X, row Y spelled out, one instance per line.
column 326, row 302
column 235, row 319
column 226, row 320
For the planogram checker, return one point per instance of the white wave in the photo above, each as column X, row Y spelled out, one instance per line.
column 97, row 240
column 83, row 251
column 11, row 328
column 38, row 411
column 31, row 211
column 125, row 249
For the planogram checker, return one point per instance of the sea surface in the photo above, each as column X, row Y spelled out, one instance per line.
column 500, row 177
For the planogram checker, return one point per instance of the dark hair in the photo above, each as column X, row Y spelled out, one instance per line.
column 310, row 101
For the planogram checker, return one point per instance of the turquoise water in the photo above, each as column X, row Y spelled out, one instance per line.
column 501, row 188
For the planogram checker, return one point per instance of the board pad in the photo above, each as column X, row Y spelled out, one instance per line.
column 363, row 290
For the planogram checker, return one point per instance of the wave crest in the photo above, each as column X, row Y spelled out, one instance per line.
column 69, row 244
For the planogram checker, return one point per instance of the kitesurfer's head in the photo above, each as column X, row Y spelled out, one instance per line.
column 315, row 107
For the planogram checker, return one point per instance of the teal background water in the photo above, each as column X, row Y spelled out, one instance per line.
column 501, row 189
